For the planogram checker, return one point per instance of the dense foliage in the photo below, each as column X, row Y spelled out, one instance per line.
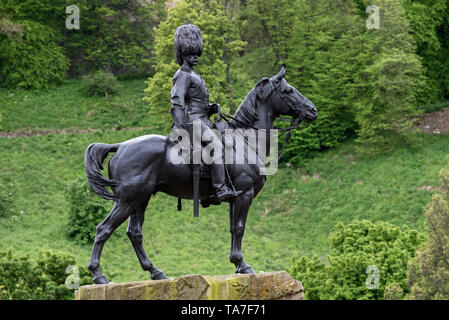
column 23, row 278
column 116, row 36
column 429, row 272
column 86, row 211
column 321, row 56
column 34, row 59
column 429, row 27
column 389, row 82
column 356, row 251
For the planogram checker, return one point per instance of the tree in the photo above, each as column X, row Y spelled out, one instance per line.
column 389, row 83
column 220, row 42
column 427, row 19
column 365, row 259
column 272, row 25
column 115, row 35
column 428, row 272
column 319, row 43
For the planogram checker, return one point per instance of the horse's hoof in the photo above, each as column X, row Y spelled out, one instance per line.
column 159, row 275
column 101, row 280
column 245, row 270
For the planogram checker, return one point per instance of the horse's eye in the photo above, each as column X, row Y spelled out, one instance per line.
column 289, row 90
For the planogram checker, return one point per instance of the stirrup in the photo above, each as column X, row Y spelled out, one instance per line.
column 227, row 196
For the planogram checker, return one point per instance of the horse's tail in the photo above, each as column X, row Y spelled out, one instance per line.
column 93, row 163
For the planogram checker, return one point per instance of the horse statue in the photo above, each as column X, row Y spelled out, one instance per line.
column 141, row 167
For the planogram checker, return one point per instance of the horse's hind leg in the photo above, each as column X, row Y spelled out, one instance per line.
column 119, row 213
column 134, row 233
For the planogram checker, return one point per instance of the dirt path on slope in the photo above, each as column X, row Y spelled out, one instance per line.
column 434, row 123
column 43, row 132
column 430, row 123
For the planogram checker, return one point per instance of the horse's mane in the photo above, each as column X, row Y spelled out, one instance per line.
column 246, row 113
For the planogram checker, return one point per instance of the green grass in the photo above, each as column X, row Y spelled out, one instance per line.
column 65, row 107
column 430, row 108
column 294, row 213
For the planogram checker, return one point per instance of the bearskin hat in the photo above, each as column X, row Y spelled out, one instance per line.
column 188, row 40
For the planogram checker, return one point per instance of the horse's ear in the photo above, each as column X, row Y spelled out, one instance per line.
column 281, row 74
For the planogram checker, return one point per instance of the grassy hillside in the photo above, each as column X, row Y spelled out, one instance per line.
column 65, row 107
column 293, row 214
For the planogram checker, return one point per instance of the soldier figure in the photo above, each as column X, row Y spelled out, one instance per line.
column 190, row 99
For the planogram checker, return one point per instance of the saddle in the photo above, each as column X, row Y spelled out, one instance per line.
column 202, row 171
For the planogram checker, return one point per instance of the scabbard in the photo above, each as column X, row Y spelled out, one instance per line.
column 196, row 189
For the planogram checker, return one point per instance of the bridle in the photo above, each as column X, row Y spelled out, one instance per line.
column 287, row 131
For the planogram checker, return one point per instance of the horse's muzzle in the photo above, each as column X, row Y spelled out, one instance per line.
column 310, row 111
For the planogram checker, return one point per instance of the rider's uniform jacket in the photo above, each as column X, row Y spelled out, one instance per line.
column 189, row 97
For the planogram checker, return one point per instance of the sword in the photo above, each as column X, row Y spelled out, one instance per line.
column 196, row 189
column 196, row 167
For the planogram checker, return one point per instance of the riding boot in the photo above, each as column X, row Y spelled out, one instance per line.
column 217, row 172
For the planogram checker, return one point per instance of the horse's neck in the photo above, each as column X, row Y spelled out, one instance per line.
column 265, row 118
column 263, row 123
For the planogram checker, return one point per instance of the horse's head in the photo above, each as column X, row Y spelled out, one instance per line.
column 289, row 101
column 280, row 97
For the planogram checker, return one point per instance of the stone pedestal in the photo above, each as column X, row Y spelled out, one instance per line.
column 261, row 286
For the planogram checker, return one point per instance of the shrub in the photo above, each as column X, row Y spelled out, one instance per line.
column 100, row 83
column 353, row 249
column 34, row 60
column 428, row 274
column 86, row 211
column 43, row 279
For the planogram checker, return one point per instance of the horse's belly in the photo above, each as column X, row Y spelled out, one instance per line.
column 177, row 181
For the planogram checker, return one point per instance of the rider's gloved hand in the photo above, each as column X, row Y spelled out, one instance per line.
column 213, row 108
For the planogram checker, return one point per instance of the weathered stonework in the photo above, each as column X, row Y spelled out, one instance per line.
column 261, row 286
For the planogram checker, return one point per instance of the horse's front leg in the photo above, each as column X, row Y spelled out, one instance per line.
column 238, row 212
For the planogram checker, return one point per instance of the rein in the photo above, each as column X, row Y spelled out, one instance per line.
column 294, row 123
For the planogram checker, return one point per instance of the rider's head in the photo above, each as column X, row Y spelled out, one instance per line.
column 188, row 41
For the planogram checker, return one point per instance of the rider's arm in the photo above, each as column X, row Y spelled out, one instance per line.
column 181, row 83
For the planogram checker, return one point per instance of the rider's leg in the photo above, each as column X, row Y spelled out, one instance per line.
column 217, row 169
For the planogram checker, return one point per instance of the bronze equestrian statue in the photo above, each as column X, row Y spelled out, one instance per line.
column 142, row 166
column 190, row 100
